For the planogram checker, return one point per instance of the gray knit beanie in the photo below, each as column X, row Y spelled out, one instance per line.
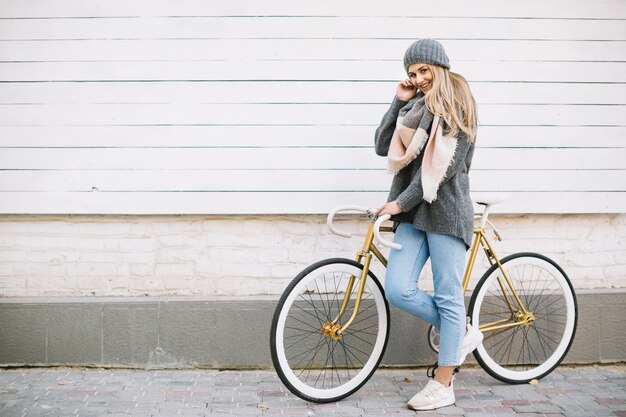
column 428, row 51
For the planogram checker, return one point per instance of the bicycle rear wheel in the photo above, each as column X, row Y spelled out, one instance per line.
column 312, row 364
column 536, row 341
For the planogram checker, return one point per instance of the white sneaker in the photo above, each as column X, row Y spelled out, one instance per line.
column 473, row 337
column 433, row 395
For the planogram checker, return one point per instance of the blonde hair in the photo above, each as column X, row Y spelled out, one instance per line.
column 450, row 97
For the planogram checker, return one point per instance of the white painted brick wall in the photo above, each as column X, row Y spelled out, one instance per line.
column 249, row 255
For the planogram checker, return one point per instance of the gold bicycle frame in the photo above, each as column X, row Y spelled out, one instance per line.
column 519, row 315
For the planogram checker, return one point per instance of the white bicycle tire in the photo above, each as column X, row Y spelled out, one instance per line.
column 291, row 380
column 482, row 355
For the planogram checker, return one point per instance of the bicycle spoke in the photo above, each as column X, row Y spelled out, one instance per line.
column 354, row 355
column 308, row 312
column 545, row 354
column 327, row 299
column 336, row 300
column 296, row 342
column 531, row 350
column 315, row 331
column 336, row 292
column 546, row 337
column 311, row 303
column 292, row 336
column 361, row 339
column 360, row 351
column 541, row 296
column 549, row 305
column 530, row 293
column 502, row 343
column 325, row 364
column 508, row 357
column 335, row 368
column 304, row 352
column 368, row 317
column 345, row 352
column 362, row 332
column 353, row 331
column 495, row 333
column 313, row 328
column 322, row 301
column 317, row 349
column 521, row 351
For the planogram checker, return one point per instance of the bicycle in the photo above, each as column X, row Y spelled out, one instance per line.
column 331, row 325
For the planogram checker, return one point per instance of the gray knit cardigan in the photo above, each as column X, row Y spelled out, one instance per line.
column 452, row 212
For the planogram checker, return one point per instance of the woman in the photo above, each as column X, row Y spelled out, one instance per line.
column 428, row 135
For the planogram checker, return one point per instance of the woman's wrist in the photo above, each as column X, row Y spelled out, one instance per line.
column 407, row 201
column 398, row 103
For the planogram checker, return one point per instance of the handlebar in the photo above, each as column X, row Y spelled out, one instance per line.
column 379, row 221
column 371, row 214
column 329, row 219
column 488, row 200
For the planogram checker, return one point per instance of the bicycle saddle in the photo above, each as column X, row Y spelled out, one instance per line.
column 488, row 199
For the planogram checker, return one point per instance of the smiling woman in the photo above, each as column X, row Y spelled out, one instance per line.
column 428, row 135
column 420, row 77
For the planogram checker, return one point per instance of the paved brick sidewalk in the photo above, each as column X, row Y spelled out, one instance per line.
column 579, row 391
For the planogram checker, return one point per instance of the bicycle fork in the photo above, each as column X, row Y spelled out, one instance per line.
column 334, row 329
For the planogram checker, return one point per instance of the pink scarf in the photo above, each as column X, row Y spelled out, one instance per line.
column 406, row 145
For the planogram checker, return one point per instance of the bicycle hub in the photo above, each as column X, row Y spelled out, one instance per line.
column 330, row 329
column 526, row 319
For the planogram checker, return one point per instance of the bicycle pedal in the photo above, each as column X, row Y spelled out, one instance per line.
column 430, row 372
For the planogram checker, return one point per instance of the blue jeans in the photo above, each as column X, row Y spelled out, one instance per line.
column 446, row 309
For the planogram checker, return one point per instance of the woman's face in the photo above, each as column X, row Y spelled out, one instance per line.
column 421, row 76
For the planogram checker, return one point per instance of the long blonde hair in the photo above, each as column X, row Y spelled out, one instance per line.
column 450, row 97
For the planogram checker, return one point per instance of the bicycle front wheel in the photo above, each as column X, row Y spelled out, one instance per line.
column 529, row 325
column 312, row 363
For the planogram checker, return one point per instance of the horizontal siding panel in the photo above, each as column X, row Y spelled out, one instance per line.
column 163, row 114
column 189, row 158
column 278, row 203
column 197, row 180
column 303, row 49
column 342, row 92
column 363, row 69
column 292, row 114
column 292, row 158
column 547, row 93
column 551, row 136
column 569, row 180
column 363, row 27
column 297, row 180
column 291, row 136
column 612, row 9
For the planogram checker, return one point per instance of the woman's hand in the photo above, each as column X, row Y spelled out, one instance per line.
column 390, row 208
column 406, row 90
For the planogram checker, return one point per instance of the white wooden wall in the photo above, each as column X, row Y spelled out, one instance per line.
column 163, row 107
